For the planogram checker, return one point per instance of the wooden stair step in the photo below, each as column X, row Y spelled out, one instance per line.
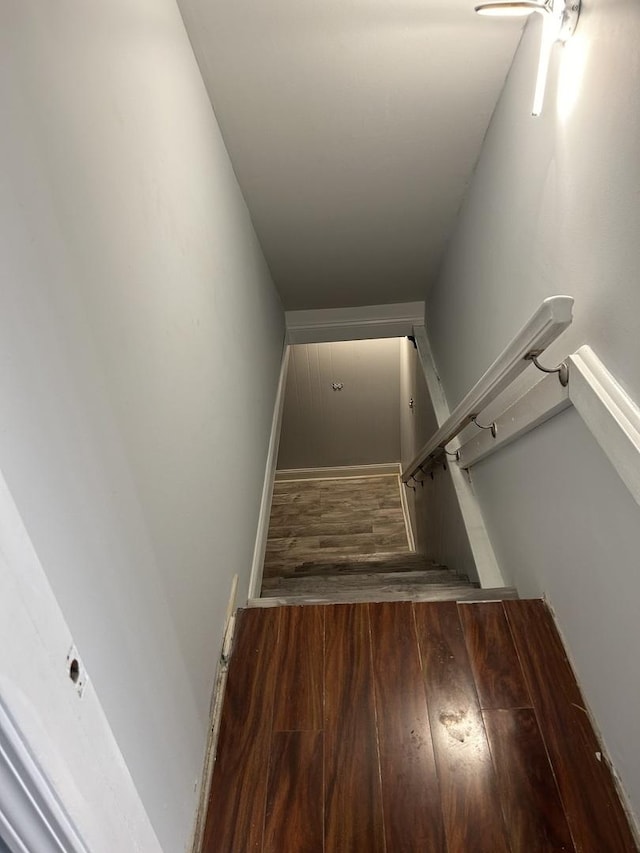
column 368, row 563
column 346, row 581
column 465, row 594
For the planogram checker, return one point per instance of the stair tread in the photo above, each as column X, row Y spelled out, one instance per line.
column 353, row 564
column 369, row 590
column 436, row 593
column 361, row 579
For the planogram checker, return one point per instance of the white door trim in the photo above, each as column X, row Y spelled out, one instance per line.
column 55, row 738
column 31, row 816
column 353, row 324
column 347, row 471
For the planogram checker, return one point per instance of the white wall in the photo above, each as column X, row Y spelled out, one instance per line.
column 358, row 425
column 554, row 207
column 69, row 736
column 141, row 339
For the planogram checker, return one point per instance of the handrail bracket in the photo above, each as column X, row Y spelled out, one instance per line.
column 492, row 426
column 562, row 369
column 543, row 327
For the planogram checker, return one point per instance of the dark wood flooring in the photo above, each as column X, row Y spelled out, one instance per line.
column 320, row 519
column 417, row 727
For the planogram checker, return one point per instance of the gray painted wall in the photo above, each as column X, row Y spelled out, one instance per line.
column 554, row 208
column 141, row 340
column 437, row 522
column 358, row 425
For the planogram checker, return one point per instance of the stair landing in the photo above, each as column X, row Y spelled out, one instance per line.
column 324, row 519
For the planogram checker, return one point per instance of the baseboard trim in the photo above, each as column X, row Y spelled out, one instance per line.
column 217, row 701
column 260, row 547
column 383, row 469
column 609, row 413
column 406, row 514
column 489, row 574
column 625, row 799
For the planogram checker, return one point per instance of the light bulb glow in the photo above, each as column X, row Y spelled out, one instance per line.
column 572, row 72
column 560, row 18
column 549, row 36
column 506, row 10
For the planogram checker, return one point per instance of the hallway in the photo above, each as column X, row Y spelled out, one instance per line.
column 408, row 727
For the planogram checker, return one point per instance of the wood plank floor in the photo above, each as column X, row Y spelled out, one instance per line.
column 319, row 519
column 384, row 728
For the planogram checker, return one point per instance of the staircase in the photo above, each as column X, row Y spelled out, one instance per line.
column 345, row 540
column 404, row 576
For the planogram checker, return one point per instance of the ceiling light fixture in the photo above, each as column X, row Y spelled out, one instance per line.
column 560, row 18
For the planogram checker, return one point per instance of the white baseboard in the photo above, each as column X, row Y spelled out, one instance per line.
column 406, row 514
column 489, row 573
column 606, row 755
column 608, row 412
column 217, row 701
column 383, row 469
column 260, row 547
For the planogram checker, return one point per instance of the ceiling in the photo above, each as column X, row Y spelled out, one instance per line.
column 353, row 127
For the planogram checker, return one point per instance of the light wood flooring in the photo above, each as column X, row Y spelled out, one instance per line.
column 408, row 728
column 321, row 519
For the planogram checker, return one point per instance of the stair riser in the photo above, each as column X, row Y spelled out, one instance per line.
column 461, row 594
column 344, row 582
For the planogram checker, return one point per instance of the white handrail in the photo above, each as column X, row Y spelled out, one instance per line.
column 549, row 321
